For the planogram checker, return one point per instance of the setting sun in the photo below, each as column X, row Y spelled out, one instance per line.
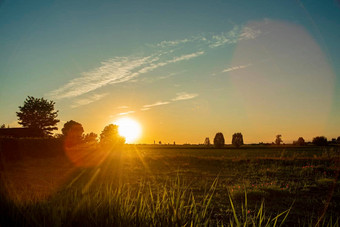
column 129, row 128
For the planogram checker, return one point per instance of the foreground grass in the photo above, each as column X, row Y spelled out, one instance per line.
column 174, row 187
column 173, row 204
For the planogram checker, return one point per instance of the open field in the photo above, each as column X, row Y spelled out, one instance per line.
column 172, row 185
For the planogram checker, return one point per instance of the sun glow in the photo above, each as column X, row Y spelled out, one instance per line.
column 129, row 128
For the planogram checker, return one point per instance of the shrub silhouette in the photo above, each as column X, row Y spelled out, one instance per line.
column 219, row 140
column 237, row 139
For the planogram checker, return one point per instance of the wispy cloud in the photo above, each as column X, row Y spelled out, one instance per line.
column 114, row 71
column 86, row 101
column 186, row 57
column 225, row 38
column 236, row 68
column 159, row 103
column 184, row 96
column 126, row 113
column 167, row 43
column 249, row 33
column 124, row 69
column 179, row 96
column 233, row 36
column 174, row 60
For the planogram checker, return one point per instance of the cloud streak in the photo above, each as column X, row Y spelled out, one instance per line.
column 236, row 68
column 179, row 97
column 186, row 57
column 172, row 43
column 159, row 103
column 184, row 96
column 86, row 101
column 126, row 113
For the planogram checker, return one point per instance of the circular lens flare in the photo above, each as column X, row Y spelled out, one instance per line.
column 129, row 128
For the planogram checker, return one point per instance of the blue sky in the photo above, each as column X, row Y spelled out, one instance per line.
column 184, row 69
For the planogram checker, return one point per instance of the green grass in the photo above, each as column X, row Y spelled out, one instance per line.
column 173, row 186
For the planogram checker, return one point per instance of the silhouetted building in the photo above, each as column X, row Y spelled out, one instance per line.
column 20, row 132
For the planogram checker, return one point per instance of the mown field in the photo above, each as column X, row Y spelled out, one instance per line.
column 151, row 185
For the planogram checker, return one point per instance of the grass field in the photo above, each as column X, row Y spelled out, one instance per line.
column 155, row 185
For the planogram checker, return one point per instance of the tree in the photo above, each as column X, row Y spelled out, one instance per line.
column 73, row 132
column 237, row 139
column 278, row 140
column 219, row 140
column 110, row 136
column 90, row 138
column 3, row 126
column 38, row 113
column 300, row 142
column 207, row 141
column 320, row 141
column 338, row 139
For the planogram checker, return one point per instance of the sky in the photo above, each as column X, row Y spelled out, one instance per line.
column 184, row 70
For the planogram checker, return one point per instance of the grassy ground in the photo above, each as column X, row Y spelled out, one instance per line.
column 173, row 185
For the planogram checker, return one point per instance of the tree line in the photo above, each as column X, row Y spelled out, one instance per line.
column 237, row 140
column 40, row 114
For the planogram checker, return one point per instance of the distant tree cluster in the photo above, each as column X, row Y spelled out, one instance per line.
column 39, row 113
column 320, row 141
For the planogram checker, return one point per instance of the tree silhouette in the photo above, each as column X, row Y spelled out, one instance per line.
column 38, row 113
column 300, row 142
column 207, row 141
column 237, row 139
column 90, row 138
column 219, row 140
column 278, row 140
column 73, row 132
column 320, row 141
column 110, row 136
